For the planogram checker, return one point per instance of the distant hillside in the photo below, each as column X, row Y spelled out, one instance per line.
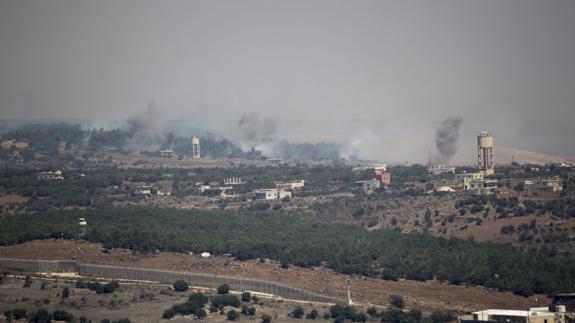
column 505, row 155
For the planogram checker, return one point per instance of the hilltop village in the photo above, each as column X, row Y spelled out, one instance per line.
column 379, row 233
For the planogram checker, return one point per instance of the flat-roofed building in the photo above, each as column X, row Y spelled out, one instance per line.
column 50, row 176
column 290, row 185
column 534, row 315
column 370, row 186
column 554, row 184
column 270, row 194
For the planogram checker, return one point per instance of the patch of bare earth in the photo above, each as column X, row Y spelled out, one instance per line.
column 12, row 199
column 424, row 295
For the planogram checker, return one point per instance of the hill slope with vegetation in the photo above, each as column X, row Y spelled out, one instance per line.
column 344, row 248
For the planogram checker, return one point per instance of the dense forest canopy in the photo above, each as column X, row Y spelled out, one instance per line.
column 344, row 248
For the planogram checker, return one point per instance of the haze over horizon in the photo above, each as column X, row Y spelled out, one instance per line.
column 380, row 76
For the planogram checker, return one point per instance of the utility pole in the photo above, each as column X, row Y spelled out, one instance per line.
column 349, row 293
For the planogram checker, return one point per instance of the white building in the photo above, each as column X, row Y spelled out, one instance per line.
column 270, row 194
column 290, row 185
column 554, row 184
column 476, row 182
column 218, row 191
column 470, row 176
column 143, row 190
column 50, row 176
column 168, row 154
column 439, row 169
column 534, row 315
column 370, row 186
column 233, row 181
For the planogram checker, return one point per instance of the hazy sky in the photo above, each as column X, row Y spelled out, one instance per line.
column 379, row 75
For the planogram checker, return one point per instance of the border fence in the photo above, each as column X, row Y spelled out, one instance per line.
column 165, row 277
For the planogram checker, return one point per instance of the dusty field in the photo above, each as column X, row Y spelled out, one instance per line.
column 12, row 199
column 424, row 295
column 491, row 230
column 143, row 303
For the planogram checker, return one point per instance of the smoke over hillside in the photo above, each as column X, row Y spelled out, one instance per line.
column 145, row 129
column 446, row 138
column 255, row 130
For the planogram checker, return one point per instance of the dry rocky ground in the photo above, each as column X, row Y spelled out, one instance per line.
column 424, row 295
column 141, row 303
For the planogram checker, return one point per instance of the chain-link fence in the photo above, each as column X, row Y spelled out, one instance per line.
column 166, row 277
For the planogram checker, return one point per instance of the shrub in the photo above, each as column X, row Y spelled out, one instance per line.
column 224, row 289
column 441, row 317
column 41, row 316
column 97, row 287
column 341, row 311
column 200, row 313
column 15, row 314
column 312, row 315
column 181, row 286
column 60, row 315
column 65, row 292
column 359, row 317
column 198, row 299
column 221, row 301
column 372, row 311
column 233, row 315
column 27, row 282
column 246, row 296
column 393, row 316
column 414, row 315
column 396, row 301
column 298, row 312
column 266, row 318
column 169, row 313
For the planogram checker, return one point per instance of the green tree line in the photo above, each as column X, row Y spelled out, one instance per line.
column 344, row 248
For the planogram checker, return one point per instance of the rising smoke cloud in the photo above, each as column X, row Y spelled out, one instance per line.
column 255, row 130
column 447, row 136
column 145, row 129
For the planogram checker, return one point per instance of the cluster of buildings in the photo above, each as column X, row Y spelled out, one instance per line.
column 554, row 184
column 439, row 169
column 50, row 176
column 480, row 181
column 477, row 182
column 18, row 144
column 148, row 190
column 270, row 194
column 380, row 178
column 282, row 190
column 170, row 153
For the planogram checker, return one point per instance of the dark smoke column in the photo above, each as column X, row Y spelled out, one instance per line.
column 447, row 136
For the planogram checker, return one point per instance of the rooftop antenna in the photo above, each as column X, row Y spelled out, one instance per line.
column 349, row 301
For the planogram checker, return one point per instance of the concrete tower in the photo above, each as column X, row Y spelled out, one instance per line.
column 195, row 148
column 485, row 153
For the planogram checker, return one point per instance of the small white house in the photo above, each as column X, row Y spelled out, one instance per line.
column 270, row 194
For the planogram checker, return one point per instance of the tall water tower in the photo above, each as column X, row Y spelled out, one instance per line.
column 195, row 148
column 485, row 153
